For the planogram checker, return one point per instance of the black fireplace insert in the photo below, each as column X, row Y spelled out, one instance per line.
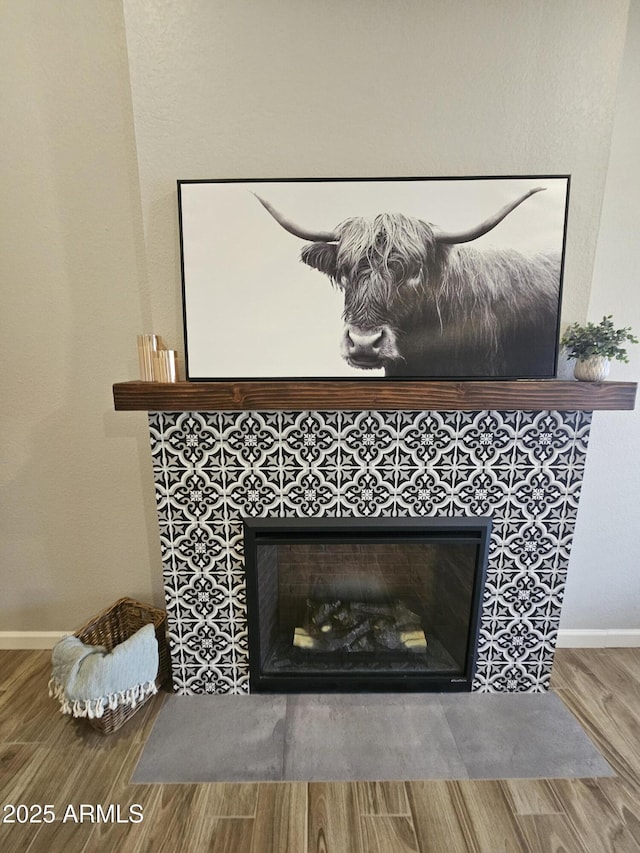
column 364, row 604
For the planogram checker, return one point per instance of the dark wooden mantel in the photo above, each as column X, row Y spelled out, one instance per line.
column 383, row 395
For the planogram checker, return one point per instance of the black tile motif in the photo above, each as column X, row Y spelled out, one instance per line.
column 211, row 468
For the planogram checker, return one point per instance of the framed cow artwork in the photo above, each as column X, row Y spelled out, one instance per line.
column 429, row 278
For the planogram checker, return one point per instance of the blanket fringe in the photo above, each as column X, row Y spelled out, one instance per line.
column 95, row 708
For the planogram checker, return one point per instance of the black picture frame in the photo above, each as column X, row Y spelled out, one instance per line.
column 476, row 295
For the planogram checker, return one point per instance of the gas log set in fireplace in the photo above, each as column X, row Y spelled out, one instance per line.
column 364, row 604
column 345, row 625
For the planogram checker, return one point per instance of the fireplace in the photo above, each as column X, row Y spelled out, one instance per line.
column 364, row 604
column 522, row 469
column 225, row 451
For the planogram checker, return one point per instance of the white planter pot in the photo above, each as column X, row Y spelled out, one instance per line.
column 595, row 368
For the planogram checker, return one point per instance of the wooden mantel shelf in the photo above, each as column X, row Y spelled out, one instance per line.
column 375, row 394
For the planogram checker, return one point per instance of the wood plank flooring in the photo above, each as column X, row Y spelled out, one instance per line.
column 49, row 759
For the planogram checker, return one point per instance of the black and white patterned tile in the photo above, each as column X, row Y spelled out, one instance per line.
column 235, row 545
column 193, row 679
column 522, row 593
column 531, row 545
column 203, row 643
column 551, row 438
column 428, row 439
column 311, row 440
column 253, row 492
column 190, row 494
column 514, row 640
column 482, row 491
column 513, row 678
column 425, row 492
column 251, row 439
column 190, row 439
column 368, row 439
column 538, row 493
column 199, row 548
column 201, row 597
column 310, row 492
column 486, row 438
column 366, row 492
column 522, row 469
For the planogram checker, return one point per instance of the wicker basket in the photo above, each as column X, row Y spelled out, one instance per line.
column 115, row 625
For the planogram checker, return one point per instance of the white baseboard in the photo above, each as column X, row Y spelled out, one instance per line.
column 567, row 639
column 598, row 639
column 31, row 639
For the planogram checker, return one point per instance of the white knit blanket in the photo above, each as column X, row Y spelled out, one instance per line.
column 87, row 679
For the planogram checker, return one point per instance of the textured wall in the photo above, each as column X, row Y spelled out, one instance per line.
column 288, row 88
column 75, row 530
column 108, row 102
column 604, row 581
column 524, row 469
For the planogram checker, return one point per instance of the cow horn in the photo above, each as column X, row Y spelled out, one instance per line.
column 292, row 228
column 487, row 225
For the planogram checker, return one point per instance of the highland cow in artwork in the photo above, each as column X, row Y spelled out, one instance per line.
column 420, row 301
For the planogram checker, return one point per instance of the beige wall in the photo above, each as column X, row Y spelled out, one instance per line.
column 286, row 88
column 111, row 101
column 76, row 532
column 603, row 589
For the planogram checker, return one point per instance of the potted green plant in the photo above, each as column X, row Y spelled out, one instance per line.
column 594, row 345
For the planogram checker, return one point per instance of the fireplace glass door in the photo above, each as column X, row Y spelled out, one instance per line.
column 364, row 604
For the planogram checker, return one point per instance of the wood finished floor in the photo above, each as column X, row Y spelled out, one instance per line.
column 46, row 758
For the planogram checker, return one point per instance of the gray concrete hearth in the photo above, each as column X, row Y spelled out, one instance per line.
column 366, row 737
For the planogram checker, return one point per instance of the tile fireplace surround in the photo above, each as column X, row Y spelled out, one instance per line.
column 523, row 468
column 211, row 468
